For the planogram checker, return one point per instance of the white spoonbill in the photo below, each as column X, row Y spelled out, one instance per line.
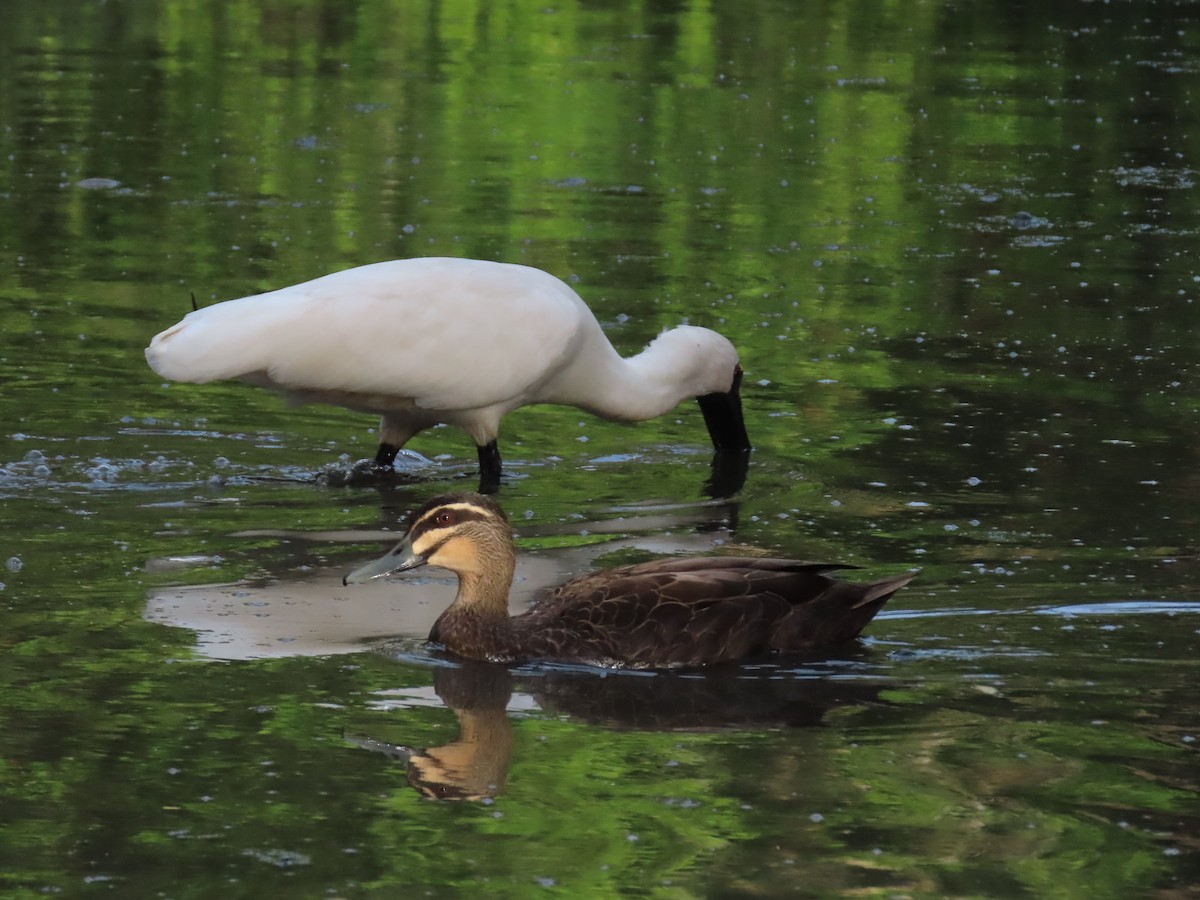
column 459, row 341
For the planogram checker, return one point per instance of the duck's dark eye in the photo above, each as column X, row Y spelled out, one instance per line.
column 445, row 517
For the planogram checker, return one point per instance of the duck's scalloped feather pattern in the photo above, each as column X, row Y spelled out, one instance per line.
column 695, row 612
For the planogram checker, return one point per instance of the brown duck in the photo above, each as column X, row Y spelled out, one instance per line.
column 667, row 613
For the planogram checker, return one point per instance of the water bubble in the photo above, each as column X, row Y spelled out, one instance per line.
column 97, row 184
column 104, row 471
column 13, row 564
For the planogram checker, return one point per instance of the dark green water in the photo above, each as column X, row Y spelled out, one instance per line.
column 956, row 246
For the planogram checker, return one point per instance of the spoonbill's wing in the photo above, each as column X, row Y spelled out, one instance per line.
column 445, row 333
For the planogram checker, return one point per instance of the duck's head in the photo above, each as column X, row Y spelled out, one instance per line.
column 465, row 533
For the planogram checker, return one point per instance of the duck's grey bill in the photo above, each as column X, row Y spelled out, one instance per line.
column 399, row 559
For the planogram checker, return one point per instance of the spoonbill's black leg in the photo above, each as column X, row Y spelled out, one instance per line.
column 385, row 456
column 489, row 468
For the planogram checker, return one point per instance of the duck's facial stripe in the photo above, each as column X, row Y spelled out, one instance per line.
column 428, row 552
column 440, row 523
column 448, row 547
column 448, row 515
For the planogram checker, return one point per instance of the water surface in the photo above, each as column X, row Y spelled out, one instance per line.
column 954, row 244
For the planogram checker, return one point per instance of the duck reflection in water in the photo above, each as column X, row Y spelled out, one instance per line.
column 475, row 765
column 789, row 692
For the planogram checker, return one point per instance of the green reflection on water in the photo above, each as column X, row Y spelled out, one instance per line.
column 954, row 245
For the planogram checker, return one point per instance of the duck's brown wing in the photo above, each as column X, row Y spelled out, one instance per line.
column 836, row 615
column 678, row 611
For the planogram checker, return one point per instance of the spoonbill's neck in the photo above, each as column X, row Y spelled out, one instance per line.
column 678, row 365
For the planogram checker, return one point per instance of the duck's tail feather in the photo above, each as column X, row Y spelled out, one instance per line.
column 881, row 591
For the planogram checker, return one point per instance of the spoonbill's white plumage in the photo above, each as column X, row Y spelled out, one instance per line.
column 459, row 341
